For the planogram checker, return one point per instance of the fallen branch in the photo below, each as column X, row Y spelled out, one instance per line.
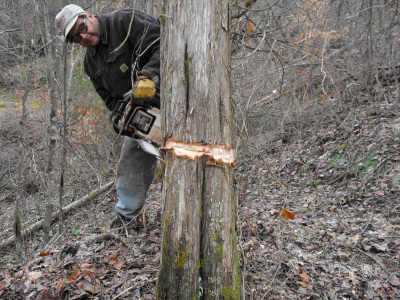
column 38, row 225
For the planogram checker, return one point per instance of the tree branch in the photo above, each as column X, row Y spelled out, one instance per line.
column 10, row 30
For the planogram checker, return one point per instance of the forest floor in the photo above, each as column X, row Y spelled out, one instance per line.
column 340, row 178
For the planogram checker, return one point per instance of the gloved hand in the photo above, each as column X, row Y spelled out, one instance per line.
column 144, row 88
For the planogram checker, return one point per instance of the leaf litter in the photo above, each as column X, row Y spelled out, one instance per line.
column 337, row 236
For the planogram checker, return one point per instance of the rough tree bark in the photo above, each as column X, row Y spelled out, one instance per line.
column 199, row 247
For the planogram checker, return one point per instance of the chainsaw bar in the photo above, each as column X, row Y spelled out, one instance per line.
column 148, row 148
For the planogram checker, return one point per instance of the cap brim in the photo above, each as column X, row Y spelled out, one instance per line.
column 70, row 25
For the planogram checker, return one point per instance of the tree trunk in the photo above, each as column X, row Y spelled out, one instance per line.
column 64, row 137
column 50, row 170
column 20, row 205
column 199, row 247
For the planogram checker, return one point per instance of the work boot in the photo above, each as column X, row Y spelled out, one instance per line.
column 135, row 223
column 121, row 221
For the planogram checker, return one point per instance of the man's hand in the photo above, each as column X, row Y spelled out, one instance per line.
column 144, row 88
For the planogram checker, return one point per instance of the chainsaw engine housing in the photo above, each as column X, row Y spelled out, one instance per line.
column 136, row 121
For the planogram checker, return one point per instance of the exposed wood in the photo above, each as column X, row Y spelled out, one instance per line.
column 38, row 225
column 216, row 153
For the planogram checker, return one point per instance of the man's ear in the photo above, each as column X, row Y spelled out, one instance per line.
column 91, row 17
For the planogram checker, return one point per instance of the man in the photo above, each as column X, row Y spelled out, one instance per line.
column 117, row 49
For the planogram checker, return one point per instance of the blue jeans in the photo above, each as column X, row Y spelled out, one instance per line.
column 135, row 172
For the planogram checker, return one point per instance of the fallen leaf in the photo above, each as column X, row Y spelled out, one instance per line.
column 48, row 295
column 87, row 267
column 303, row 275
column 343, row 255
column 274, row 212
column 60, row 285
column 92, row 276
column 302, row 283
column 378, row 248
column 386, row 295
column 119, row 265
column 367, row 270
column 305, row 285
column 251, row 27
column 354, row 240
column 34, row 276
column 380, row 193
column 114, row 257
column 394, row 280
column 310, row 248
column 89, row 288
column 287, row 215
column 44, row 253
column 353, row 278
column 153, row 237
column 74, row 275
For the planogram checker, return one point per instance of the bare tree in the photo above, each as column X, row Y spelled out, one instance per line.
column 20, row 204
column 50, row 170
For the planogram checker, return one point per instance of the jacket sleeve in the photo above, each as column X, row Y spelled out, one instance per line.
column 145, row 38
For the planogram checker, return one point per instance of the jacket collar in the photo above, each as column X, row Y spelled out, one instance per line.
column 103, row 30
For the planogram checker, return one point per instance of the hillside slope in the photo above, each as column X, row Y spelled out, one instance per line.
column 340, row 178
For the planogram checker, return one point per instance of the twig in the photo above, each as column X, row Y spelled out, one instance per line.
column 375, row 168
column 129, row 30
column 45, row 45
column 52, row 241
column 132, row 287
column 9, row 30
column 268, row 167
column 1, row 178
column 375, row 259
column 246, row 9
column 369, row 222
column 272, row 281
column 255, row 50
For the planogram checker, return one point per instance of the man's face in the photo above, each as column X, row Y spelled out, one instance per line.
column 91, row 37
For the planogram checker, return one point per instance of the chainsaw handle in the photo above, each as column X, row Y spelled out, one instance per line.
column 147, row 102
column 119, row 110
column 118, row 113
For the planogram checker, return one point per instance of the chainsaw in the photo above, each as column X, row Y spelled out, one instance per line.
column 140, row 120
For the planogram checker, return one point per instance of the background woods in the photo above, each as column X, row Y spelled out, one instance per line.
column 315, row 93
